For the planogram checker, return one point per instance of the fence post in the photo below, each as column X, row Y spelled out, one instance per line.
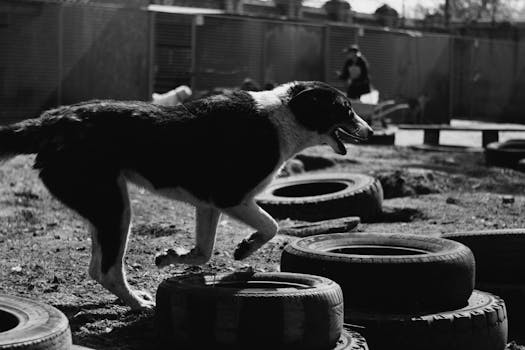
column 326, row 58
column 451, row 78
column 152, row 53
column 193, row 76
column 60, row 48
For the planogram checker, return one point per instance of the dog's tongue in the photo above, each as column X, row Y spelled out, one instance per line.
column 336, row 143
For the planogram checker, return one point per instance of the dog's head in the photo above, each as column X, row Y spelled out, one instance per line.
column 321, row 108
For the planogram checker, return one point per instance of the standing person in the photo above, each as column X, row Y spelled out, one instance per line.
column 355, row 73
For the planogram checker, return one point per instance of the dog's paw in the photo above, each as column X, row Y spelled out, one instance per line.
column 249, row 245
column 180, row 256
column 139, row 301
column 243, row 250
column 143, row 301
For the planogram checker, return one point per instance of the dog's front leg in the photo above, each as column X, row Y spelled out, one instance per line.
column 254, row 216
column 205, row 229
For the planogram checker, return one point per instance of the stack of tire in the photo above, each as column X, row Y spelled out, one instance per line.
column 500, row 269
column 405, row 291
column 252, row 311
column 26, row 324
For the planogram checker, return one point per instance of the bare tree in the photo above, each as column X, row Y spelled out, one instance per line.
column 475, row 10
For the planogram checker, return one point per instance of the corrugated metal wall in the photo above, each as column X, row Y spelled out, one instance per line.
column 338, row 38
column 227, row 51
column 28, row 59
column 433, row 77
column 514, row 110
column 379, row 47
column 293, row 52
column 173, row 51
column 59, row 54
column 403, row 66
column 104, row 53
column 489, row 79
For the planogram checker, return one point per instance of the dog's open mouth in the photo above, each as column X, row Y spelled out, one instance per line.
column 335, row 137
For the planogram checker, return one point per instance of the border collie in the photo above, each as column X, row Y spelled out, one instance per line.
column 87, row 152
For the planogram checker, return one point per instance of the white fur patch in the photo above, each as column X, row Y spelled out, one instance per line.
column 293, row 137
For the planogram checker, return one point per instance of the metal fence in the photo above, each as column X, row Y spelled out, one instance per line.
column 59, row 54
column 53, row 54
column 489, row 79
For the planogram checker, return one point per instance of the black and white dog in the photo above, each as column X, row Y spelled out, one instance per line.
column 87, row 152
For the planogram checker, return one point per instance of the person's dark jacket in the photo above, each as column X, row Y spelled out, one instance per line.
column 358, row 85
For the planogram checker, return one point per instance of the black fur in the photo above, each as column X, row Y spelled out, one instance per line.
column 318, row 106
column 217, row 149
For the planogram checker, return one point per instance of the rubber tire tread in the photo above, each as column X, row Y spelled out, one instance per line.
column 499, row 254
column 351, row 340
column 364, row 200
column 192, row 314
column 40, row 327
column 481, row 325
column 410, row 283
column 514, row 297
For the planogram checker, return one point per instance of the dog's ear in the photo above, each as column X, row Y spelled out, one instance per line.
column 313, row 108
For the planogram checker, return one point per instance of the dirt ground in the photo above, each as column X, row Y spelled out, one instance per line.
column 44, row 248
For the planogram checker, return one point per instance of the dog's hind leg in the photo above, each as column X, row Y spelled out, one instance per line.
column 206, row 219
column 254, row 216
column 102, row 199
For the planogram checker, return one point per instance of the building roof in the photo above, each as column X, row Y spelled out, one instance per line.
column 186, row 10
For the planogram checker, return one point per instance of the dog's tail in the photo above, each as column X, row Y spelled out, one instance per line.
column 25, row 137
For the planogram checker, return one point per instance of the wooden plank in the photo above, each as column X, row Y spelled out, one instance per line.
column 455, row 128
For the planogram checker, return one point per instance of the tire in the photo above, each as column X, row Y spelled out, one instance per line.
column 419, row 274
column 499, row 254
column 351, row 340
column 323, row 196
column 249, row 311
column 481, row 325
column 514, row 297
column 321, row 227
column 505, row 154
column 29, row 325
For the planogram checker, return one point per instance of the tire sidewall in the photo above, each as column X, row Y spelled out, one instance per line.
column 40, row 326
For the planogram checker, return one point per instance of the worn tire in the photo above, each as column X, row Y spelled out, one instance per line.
column 481, row 325
column 500, row 254
column 351, row 340
column 420, row 273
column 514, row 297
column 505, row 154
column 26, row 324
column 249, row 311
column 323, row 196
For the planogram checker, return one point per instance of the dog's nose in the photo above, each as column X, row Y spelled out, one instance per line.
column 370, row 132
